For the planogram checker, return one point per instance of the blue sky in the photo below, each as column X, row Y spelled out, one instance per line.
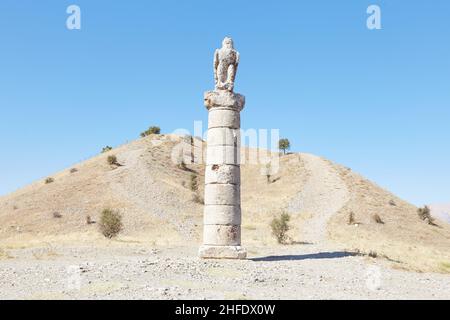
column 377, row 101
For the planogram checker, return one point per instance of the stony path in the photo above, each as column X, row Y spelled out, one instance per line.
column 323, row 195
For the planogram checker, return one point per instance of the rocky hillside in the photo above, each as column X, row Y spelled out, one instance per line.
column 161, row 205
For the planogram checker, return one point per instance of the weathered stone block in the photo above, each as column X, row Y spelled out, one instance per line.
column 223, row 155
column 222, row 214
column 227, row 194
column 224, row 118
column 222, row 173
column 222, row 235
column 223, row 137
column 224, row 99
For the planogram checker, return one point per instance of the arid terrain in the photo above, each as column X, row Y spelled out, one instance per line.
column 350, row 238
column 441, row 211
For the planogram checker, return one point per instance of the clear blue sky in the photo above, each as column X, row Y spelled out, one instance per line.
column 376, row 101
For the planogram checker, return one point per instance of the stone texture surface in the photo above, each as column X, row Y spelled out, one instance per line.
column 224, row 99
column 222, row 194
column 223, row 155
column 222, row 215
column 223, row 137
column 224, row 173
column 224, row 118
column 222, row 235
column 222, row 252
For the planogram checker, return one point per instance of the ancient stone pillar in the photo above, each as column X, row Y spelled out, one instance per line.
column 222, row 211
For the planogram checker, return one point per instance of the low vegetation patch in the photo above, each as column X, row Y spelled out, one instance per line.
column 151, row 130
column 106, row 149
column 280, row 227
column 89, row 220
column 193, row 185
column 377, row 219
column 110, row 223
column 112, row 160
column 56, row 215
column 73, row 170
column 49, row 180
column 351, row 218
column 198, row 199
column 182, row 165
column 445, row 266
column 425, row 215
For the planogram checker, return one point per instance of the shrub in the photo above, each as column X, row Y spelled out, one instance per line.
column 182, row 165
column 351, row 218
column 425, row 215
column 112, row 160
column 198, row 199
column 151, row 130
column 284, row 145
column 49, row 180
column 377, row 219
column 268, row 170
column 57, row 215
column 194, row 182
column 89, row 220
column 392, row 203
column 280, row 227
column 106, row 149
column 110, row 223
column 73, row 170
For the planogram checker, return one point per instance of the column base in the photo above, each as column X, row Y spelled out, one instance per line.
column 222, row 252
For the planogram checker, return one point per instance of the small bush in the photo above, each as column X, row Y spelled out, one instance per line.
column 106, row 149
column 377, row 219
column 182, row 165
column 151, row 130
column 392, row 203
column 112, row 160
column 57, row 215
column 89, row 220
column 280, row 227
column 73, row 170
column 49, row 180
column 198, row 199
column 110, row 223
column 425, row 215
column 351, row 218
column 194, row 182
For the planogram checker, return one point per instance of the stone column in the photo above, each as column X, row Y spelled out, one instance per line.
column 222, row 211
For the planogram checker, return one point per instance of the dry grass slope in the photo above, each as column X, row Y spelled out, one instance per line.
column 155, row 199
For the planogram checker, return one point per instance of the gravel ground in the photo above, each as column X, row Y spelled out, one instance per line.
column 297, row 272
